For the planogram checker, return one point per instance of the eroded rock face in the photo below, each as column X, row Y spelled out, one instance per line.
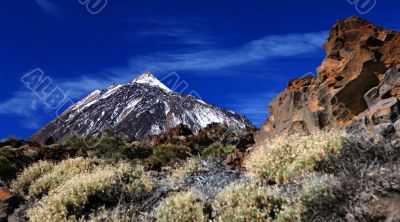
column 354, row 82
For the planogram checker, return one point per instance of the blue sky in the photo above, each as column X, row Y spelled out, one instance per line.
column 235, row 54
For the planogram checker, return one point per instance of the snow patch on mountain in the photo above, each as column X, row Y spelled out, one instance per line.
column 92, row 96
column 150, row 79
column 110, row 91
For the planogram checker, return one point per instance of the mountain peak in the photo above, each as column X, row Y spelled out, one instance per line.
column 138, row 110
column 149, row 79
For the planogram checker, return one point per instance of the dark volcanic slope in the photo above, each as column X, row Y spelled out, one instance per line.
column 138, row 109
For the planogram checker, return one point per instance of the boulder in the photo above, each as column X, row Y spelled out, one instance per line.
column 5, row 194
column 386, row 130
column 385, row 111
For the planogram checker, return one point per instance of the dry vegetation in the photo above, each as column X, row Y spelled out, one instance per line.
column 247, row 202
column 30, row 175
column 325, row 176
column 283, row 158
column 60, row 173
column 183, row 206
column 76, row 187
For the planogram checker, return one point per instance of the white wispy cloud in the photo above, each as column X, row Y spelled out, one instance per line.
column 50, row 7
column 217, row 58
column 173, row 31
column 25, row 103
column 21, row 103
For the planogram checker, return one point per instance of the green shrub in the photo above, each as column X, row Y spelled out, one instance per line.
column 12, row 141
column 283, row 158
column 3, row 184
column 5, row 167
column 164, row 155
column 7, row 151
column 183, row 207
column 85, row 192
column 78, row 142
column 245, row 202
column 61, row 173
column 30, row 175
column 108, row 145
column 135, row 151
column 219, row 150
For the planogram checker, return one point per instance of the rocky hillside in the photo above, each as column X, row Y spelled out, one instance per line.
column 357, row 85
column 138, row 109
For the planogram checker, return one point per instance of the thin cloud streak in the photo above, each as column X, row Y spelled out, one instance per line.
column 173, row 31
column 258, row 50
column 50, row 8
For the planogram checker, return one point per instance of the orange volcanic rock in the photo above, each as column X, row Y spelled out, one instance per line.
column 360, row 70
column 5, row 194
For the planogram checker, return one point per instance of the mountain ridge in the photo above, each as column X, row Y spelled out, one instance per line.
column 138, row 109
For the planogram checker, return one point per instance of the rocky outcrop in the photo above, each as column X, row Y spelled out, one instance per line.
column 356, row 86
column 212, row 133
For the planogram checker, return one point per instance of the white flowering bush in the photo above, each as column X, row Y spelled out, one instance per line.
column 71, row 200
column 183, row 207
column 283, row 158
column 30, row 175
column 246, row 202
column 191, row 165
column 61, row 173
column 118, row 214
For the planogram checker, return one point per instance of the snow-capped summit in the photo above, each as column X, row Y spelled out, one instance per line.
column 150, row 79
column 138, row 109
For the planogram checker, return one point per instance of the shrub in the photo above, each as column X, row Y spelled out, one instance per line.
column 85, row 192
column 109, row 145
column 61, row 173
column 7, row 151
column 30, row 175
column 184, row 206
column 135, row 151
column 117, row 214
column 283, row 158
column 5, row 167
column 167, row 154
column 219, row 150
column 312, row 199
column 79, row 142
column 12, row 141
column 192, row 165
column 245, row 202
